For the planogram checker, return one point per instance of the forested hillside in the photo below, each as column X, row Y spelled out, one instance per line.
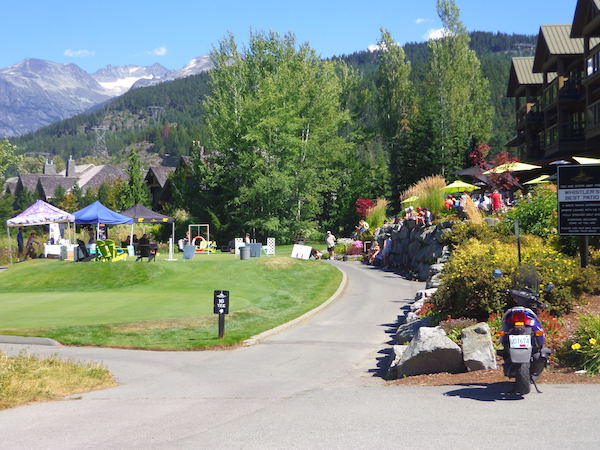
column 167, row 118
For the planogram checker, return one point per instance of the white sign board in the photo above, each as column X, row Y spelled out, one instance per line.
column 301, row 251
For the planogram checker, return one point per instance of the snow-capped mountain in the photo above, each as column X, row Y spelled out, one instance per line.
column 35, row 93
column 116, row 80
column 194, row 67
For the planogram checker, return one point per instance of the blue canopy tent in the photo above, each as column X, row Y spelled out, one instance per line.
column 97, row 213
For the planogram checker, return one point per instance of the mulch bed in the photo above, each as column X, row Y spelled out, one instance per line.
column 553, row 374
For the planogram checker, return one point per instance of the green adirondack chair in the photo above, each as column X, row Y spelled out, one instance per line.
column 116, row 253
column 102, row 253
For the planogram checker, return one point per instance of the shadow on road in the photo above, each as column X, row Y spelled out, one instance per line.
column 387, row 355
column 486, row 392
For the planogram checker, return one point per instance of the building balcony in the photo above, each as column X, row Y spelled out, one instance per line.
column 564, row 92
column 529, row 115
column 566, row 139
column 592, row 119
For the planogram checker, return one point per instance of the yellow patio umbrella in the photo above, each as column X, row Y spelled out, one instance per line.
column 539, row 180
column 412, row 199
column 512, row 167
column 459, row 186
column 582, row 160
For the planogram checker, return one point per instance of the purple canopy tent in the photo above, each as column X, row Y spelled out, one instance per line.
column 39, row 213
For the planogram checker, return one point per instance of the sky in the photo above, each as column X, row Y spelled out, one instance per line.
column 93, row 34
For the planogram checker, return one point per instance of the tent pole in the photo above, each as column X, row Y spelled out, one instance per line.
column 131, row 236
column 9, row 245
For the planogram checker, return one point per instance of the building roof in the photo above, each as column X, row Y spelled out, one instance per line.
column 48, row 184
column 96, row 176
column 160, row 173
column 582, row 17
column 555, row 40
column 10, row 185
column 521, row 74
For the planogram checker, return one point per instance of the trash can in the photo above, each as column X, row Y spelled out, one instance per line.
column 245, row 252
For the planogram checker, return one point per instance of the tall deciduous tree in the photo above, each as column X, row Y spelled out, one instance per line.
column 456, row 109
column 274, row 114
column 8, row 157
column 396, row 108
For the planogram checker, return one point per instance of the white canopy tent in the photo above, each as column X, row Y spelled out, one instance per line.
column 39, row 213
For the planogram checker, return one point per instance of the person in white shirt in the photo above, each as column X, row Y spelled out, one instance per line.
column 330, row 241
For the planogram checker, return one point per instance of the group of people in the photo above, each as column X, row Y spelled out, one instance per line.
column 487, row 203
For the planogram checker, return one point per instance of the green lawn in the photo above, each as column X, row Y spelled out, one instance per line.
column 163, row 305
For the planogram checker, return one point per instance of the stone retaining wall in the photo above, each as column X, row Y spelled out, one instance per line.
column 417, row 249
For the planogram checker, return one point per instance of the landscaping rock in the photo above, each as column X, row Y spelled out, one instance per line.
column 411, row 316
column 478, row 349
column 397, row 352
column 407, row 331
column 417, row 305
column 431, row 351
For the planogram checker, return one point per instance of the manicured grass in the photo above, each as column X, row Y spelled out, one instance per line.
column 160, row 305
column 25, row 379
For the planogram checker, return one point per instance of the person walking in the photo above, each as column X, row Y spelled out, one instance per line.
column 330, row 241
column 20, row 244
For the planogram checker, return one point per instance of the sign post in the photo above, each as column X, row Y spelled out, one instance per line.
column 579, row 204
column 221, row 307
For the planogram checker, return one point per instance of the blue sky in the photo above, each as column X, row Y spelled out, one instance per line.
column 93, row 34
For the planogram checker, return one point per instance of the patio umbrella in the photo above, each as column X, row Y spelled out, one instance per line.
column 582, row 160
column 459, row 186
column 512, row 167
column 539, row 180
column 414, row 198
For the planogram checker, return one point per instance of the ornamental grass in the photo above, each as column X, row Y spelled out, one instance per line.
column 429, row 193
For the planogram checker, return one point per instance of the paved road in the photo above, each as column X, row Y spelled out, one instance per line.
column 311, row 386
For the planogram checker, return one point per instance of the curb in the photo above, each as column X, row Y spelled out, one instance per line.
column 5, row 339
column 265, row 334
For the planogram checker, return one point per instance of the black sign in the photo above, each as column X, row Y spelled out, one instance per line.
column 221, row 302
column 579, row 200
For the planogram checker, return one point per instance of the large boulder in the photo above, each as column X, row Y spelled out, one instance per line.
column 431, row 351
column 407, row 331
column 478, row 349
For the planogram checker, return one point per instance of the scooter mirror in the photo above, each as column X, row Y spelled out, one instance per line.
column 497, row 273
column 549, row 287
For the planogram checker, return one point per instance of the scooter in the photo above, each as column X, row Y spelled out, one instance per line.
column 522, row 335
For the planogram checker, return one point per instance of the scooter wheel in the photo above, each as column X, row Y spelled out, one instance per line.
column 522, row 381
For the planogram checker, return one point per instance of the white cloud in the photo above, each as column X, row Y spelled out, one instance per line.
column 436, row 33
column 419, row 20
column 159, row 51
column 78, row 53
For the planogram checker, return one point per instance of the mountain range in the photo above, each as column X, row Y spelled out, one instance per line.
column 35, row 92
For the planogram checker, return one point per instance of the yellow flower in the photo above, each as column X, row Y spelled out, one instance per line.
column 576, row 346
column 592, row 341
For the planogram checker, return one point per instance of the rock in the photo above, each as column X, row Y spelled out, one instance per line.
column 434, row 269
column 407, row 330
column 417, row 305
column 398, row 351
column 411, row 316
column 433, row 282
column 478, row 349
column 431, row 351
column 491, row 221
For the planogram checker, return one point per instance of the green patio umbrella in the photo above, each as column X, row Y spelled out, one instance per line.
column 539, row 180
column 412, row 199
column 459, row 186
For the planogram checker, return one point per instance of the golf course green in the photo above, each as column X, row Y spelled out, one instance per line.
column 159, row 305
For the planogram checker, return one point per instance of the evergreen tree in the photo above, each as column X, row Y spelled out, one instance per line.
column 24, row 199
column 59, row 196
column 455, row 112
column 137, row 191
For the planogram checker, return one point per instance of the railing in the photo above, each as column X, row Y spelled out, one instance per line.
column 551, row 136
column 530, row 112
column 550, row 94
column 568, row 132
column 592, row 116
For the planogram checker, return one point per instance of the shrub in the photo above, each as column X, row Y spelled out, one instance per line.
column 463, row 231
column 467, row 285
column 584, row 350
column 536, row 216
column 362, row 206
column 429, row 193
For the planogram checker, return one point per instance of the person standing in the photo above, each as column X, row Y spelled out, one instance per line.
column 496, row 200
column 330, row 241
column 20, row 244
